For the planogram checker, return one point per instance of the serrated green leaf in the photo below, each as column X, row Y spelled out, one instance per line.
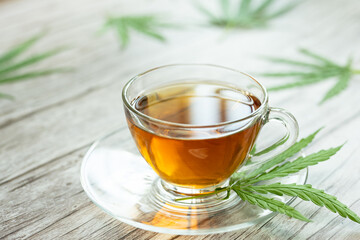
column 294, row 84
column 236, row 177
column 292, row 62
column 305, row 76
column 323, row 70
column 123, row 34
column 302, row 79
column 249, row 162
column 270, row 204
column 262, row 7
column 315, row 56
column 319, row 197
column 147, row 25
column 286, row 74
column 328, row 204
column 283, row 156
column 225, row 7
column 297, row 165
column 341, row 84
column 273, row 146
column 303, row 196
column 30, row 75
column 246, row 16
column 250, row 191
column 9, row 68
column 29, row 61
column 244, row 8
column 253, row 150
column 18, row 49
column 153, row 34
column 206, row 12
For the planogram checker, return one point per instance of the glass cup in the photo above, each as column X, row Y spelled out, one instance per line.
column 190, row 158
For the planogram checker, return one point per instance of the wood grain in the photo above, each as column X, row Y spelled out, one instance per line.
column 46, row 131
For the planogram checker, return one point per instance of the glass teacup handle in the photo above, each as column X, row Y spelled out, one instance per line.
column 290, row 137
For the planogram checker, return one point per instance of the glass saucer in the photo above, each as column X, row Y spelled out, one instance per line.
column 118, row 180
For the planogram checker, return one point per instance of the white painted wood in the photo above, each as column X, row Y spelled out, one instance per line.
column 45, row 132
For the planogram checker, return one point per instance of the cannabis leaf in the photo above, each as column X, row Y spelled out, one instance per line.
column 321, row 69
column 147, row 25
column 10, row 70
column 272, row 147
column 308, row 193
column 243, row 13
column 295, row 166
column 251, row 187
column 295, row 148
column 269, row 203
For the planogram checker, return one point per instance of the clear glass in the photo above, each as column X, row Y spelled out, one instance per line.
column 248, row 125
column 118, row 179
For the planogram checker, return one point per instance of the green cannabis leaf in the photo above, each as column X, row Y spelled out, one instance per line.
column 321, row 69
column 244, row 14
column 272, row 147
column 308, row 193
column 295, row 166
column 11, row 70
column 250, row 187
column 268, row 203
column 291, row 151
column 147, row 25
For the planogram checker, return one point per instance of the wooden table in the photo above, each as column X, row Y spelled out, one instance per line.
column 46, row 131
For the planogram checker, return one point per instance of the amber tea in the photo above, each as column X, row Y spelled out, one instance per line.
column 188, row 158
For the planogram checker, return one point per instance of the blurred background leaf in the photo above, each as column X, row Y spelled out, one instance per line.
column 11, row 69
column 147, row 25
column 244, row 13
column 318, row 70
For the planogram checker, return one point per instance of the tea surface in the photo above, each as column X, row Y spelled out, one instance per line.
column 197, row 104
column 195, row 162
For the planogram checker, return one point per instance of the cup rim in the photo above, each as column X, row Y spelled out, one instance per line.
column 183, row 125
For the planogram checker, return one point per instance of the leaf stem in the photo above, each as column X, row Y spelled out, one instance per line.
column 203, row 195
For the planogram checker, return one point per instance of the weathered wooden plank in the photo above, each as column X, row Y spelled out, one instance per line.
column 63, row 206
column 87, row 109
column 45, row 132
column 86, row 50
column 69, row 108
column 82, row 36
